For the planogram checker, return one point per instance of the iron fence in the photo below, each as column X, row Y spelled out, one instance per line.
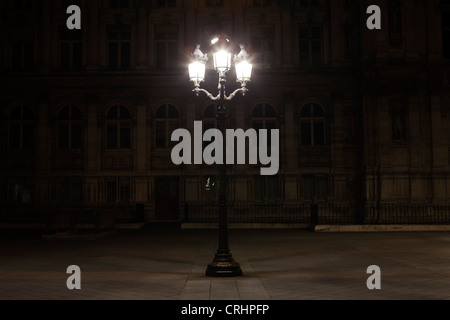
column 332, row 213
column 244, row 213
column 59, row 217
column 407, row 213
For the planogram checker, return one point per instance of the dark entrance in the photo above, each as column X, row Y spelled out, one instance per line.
column 167, row 199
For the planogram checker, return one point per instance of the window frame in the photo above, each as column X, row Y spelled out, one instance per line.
column 168, row 122
column 119, row 64
column 24, row 51
column 120, row 4
column 313, row 120
column 21, row 123
column 310, row 39
column 170, row 46
column 314, row 187
column 68, row 184
column 71, row 42
column 119, row 123
column 263, row 43
column 445, row 32
column 264, row 120
column 268, row 196
column 70, row 123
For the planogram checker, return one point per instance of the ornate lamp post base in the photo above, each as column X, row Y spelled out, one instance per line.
column 223, row 265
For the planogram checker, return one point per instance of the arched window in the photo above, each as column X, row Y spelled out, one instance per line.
column 118, row 128
column 21, row 128
column 312, row 125
column 166, row 121
column 264, row 117
column 70, row 126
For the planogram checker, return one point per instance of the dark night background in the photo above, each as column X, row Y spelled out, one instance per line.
column 86, row 115
column 86, row 118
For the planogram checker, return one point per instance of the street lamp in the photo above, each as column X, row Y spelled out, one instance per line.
column 223, row 264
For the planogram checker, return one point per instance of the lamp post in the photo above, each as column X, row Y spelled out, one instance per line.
column 223, row 264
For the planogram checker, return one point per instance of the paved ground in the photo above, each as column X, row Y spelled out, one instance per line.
column 277, row 265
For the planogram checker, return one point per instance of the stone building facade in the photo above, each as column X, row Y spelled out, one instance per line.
column 86, row 115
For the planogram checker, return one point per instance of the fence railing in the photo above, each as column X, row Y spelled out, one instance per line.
column 407, row 213
column 58, row 217
column 334, row 213
column 244, row 213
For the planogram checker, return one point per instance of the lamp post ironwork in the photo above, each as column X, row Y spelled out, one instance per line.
column 223, row 264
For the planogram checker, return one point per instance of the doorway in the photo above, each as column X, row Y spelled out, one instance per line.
column 167, row 199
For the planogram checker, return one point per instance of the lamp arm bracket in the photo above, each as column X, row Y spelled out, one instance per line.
column 243, row 89
column 197, row 90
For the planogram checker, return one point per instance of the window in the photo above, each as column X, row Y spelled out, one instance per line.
column 23, row 56
column 320, row 188
column 23, row 4
column 350, row 129
column 67, row 3
column 214, row 3
column 118, row 189
column 118, row 128
column 314, row 188
column 21, row 190
column 265, row 188
column 124, row 190
column 446, row 28
column 312, row 125
column 117, row 4
column 163, row 3
column 395, row 22
column 264, row 117
column 351, row 189
column 22, row 49
column 309, row 3
column 262, row 3
column 21, row 128
column 70, row 128
column 310, row 45
column 399, row 125
column 111, row 191
column 70, row 49
column 166, row 44
column 69, row 189
column 308, row 187
column 262, row 39
column 165, row 123
column 119, row 48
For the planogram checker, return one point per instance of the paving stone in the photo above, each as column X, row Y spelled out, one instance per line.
column 277, row 264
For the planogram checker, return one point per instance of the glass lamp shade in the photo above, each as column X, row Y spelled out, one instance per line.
column 197, row 72
column 222, row 60
column 244, row 71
